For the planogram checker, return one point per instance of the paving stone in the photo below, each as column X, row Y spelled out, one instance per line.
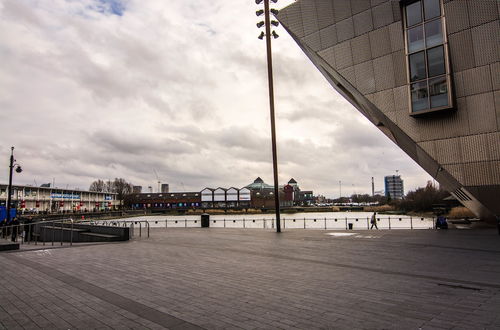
column 251, row 279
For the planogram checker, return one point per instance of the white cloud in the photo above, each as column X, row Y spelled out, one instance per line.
column 179, row 87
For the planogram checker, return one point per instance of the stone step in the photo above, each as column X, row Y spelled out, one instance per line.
column 99, row 235
column 9, row 246
column 66, row 228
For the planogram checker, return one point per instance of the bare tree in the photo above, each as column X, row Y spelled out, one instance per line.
column 122, row 188
column 108, row 186
column 97, row 186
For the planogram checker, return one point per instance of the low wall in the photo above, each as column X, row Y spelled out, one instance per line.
column 80, row 233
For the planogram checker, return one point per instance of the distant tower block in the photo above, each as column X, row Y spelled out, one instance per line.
column 164, row 188
column 137, row 189
column 394, row 187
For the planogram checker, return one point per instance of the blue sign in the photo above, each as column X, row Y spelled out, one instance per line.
column 3, row 213
column 65, row 196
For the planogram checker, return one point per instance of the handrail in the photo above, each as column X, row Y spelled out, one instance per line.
column 387, row 222
column 25, row 233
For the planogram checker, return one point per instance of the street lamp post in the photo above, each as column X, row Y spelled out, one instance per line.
column 11, row 168
column 267, row 22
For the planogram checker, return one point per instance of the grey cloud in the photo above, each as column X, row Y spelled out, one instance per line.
column 142, row 145
column 87, row 96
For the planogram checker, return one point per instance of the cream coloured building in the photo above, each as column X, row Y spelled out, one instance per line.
column 42, row 199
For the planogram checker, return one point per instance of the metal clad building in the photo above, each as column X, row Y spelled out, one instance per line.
column 394, row 186
column 426, row 73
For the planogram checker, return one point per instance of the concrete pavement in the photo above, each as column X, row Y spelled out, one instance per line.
column 257, row 279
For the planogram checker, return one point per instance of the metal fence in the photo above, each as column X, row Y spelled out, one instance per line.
column 344, row 223
column 30, row 233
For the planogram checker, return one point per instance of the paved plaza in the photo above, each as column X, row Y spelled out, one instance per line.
column 199, row 278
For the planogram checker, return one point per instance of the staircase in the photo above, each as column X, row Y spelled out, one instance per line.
column 82, row 233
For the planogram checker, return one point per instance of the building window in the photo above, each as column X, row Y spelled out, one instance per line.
column 426, row 51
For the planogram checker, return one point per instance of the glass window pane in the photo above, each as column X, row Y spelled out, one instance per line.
column 417, row 66
column 435, row 60
column 431, row 9
column 419, row 96
column 415, row 39
column 438, row 90
column 413, row 13
column 433, row 33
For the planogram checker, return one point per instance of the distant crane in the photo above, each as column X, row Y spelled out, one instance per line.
column 157, row 178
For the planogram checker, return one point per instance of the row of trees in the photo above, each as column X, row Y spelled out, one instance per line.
column 119, row 186
column 362, row 198
column 422, row 199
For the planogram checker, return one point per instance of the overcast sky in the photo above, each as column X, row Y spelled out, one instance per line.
column 98, row 89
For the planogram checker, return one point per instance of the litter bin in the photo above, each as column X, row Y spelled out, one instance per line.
column 350, row 226
column 205, row 220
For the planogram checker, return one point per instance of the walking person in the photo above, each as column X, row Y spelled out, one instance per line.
column 373, row 221
column 15, row 229
column 27, row 228
column 3, row 228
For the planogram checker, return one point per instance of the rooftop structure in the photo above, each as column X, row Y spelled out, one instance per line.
column 259, row 184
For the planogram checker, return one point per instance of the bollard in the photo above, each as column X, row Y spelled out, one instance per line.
column 71, row 236
column 325, row 223
column 389, row 222
column 29, row 234
column 205, row 220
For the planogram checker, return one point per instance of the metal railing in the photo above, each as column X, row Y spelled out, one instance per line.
column 28, row 233
column 125, row 223
column 325, row 223
column 31, row 233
